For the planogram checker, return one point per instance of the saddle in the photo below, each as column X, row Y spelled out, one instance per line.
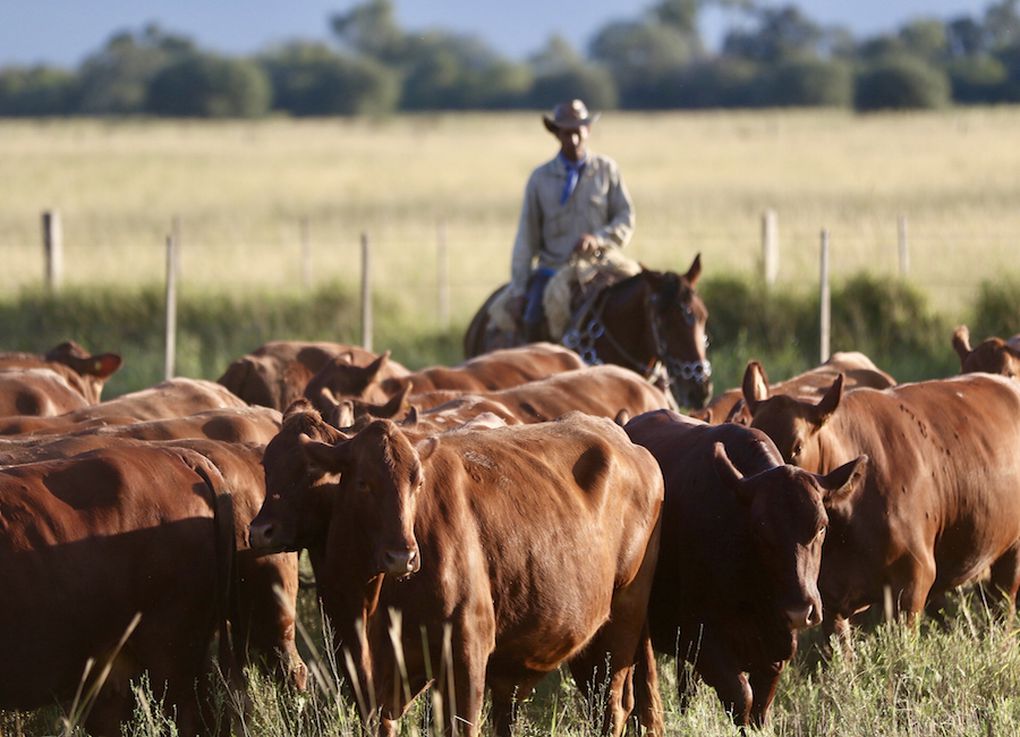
column 571, row 290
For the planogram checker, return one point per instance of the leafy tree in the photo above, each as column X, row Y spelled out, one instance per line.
column 977, row 79
column 311, row 79
column 900, row 82
column 641, row 57
column 781, row 33
column 115, row 79
column 809, row 83
column 720, row 82
column 206, row 85
column 371, row 29
column 1002, row 24
column 37, row 90
column 561, row 73
column 926, row 38
column 965, row 37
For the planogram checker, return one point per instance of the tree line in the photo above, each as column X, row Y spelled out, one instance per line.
column 770, row 57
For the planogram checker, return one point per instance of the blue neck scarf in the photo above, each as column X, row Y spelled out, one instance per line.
column 574, row 169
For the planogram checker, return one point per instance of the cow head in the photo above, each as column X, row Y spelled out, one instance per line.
column 791, row 423
column 381, row 477
column 347, row 380
column 94, row 370
column 788, row 520
column 993, row 356
column 296, row 511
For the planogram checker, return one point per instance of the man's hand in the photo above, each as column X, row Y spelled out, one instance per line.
column 587, row 245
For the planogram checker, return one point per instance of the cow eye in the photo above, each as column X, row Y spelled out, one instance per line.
column 797, row 448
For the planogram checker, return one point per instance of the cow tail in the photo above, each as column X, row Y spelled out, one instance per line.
column 226, row 551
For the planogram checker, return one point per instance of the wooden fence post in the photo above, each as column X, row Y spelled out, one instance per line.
column 770, row 246
column 53, row 249
column 903, row 246
column 366, row 294
column 171, row 304
column 442, row 277
column 825, row 316
column 306, row 255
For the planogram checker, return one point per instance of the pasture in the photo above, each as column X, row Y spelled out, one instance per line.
column 700, row 183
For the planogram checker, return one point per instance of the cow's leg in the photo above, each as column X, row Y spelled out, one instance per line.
column 763, row 679
column 504, row 694
column 1005, row 579
column 646, row 688
column 719, row 669
column 912, row 583
column 837, row 627
column 462, row 681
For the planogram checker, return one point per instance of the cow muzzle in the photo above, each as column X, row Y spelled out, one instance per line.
column 803, row 617
column 266, row 537
column 401, row 562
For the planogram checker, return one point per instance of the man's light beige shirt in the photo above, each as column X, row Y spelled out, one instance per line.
column 548, row 231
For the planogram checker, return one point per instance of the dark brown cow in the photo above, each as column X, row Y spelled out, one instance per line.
column 275, row 374
column 858, row 371
column 992, row 355
column 86, row 543
column 172, row 398
column 741, row 545
column 496, row 370
column 940, row 505
column 84, row 372
column 533, row 544
column 38, row 392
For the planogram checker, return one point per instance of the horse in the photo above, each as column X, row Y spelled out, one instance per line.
column 652, row 322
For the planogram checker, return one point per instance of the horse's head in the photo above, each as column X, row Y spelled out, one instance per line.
column 677, row 318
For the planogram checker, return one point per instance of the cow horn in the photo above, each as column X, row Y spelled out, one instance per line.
column 961, row 343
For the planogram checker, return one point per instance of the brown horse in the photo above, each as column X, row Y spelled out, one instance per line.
column 652, row 323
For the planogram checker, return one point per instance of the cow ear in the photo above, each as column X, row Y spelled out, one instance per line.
column 372, row 370
column 961, row 343
column 840, row 484
column 738, row 413
column 828, row 404
column 411, row 418
column 344, row 414
column 298, row 406
column 729, row 475
column 755, row 386
column 324, row 456
column 394, row 404
column 694, row 272
column 426, row 447
column 102, row 366
column 622, row 417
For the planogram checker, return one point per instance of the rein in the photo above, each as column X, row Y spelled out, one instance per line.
column 662, row 367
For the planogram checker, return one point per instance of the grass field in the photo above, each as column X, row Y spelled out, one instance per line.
column 700, row 182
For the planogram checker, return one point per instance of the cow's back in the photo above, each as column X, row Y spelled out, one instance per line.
column 37, row 392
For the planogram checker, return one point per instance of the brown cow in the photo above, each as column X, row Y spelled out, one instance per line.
column 172, row 398
column 496, row 370
column 858, row 371
column 275, row 374
column 84, row 372
column 37, row 392
column 940, row 503
column 596, row 390
column 87, row 543
column 260, row 621
column 532, row 545
column 992, row 355
column 738, row 565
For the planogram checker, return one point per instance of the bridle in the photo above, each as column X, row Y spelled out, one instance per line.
column 663, row 370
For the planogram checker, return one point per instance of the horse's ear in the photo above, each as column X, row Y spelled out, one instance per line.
column 694, row 272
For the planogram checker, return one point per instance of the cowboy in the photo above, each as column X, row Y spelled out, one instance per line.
column 576, row 203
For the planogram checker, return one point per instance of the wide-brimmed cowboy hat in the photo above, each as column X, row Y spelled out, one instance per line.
column 571, row 115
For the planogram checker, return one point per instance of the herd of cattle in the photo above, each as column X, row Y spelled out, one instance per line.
column 474, row 527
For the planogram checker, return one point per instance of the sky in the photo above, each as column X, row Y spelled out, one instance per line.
column 63, row 32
